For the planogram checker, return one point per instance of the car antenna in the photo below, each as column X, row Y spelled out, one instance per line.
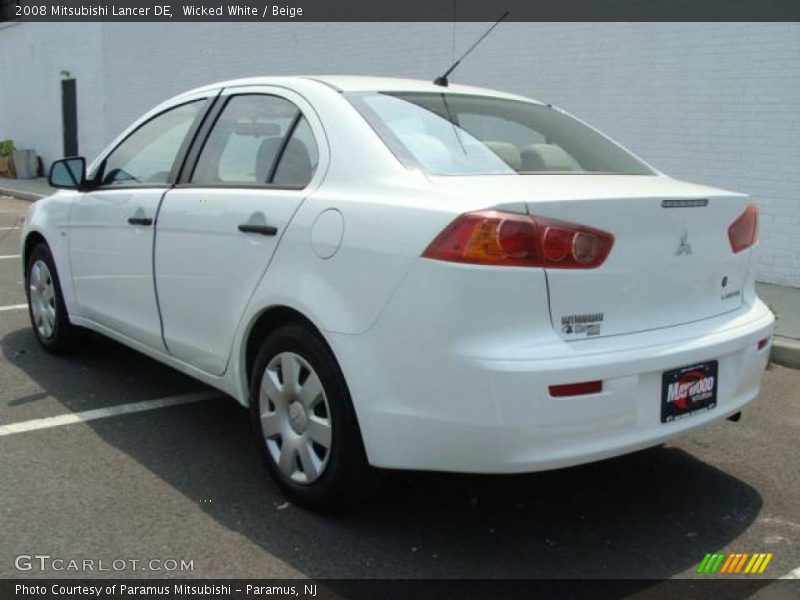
column 442, row 80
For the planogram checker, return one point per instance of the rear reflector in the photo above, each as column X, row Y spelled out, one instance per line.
column 743, row 232
column 576, row 389
column 492, row 237
column 763, row 343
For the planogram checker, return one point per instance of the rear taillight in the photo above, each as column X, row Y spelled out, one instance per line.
column 743, row 232
column 507, row 239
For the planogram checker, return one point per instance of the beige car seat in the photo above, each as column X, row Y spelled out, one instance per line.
column 546, row 157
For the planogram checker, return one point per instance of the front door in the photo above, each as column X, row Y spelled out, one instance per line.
column 111, row 231
column 217, row 230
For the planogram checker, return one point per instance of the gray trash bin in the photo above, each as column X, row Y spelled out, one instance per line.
column 25, row 163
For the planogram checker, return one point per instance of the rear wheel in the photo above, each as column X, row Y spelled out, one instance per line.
column 306, row 428
column 46, row 307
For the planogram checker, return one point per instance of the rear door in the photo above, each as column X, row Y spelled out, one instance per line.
column 255, row 160
column 111, row 227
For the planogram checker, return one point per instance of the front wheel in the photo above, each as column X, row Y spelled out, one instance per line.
column 306, row 428
column 48, row 313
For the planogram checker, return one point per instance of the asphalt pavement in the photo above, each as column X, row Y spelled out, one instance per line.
column 184, row 483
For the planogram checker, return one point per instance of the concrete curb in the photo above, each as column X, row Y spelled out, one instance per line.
column 21, row 194
column 786, row 352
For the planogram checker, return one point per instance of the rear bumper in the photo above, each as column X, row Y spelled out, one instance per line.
column 486, row 407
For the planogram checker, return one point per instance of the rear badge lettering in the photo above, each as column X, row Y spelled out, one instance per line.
column 586, row 324
column 684, row 203
column 733, row 294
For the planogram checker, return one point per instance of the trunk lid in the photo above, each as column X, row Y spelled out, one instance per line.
column 671, row 262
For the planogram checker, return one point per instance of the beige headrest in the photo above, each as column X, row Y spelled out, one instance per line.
column 265, row 156
column 295, row 166
column 509, row 153
column 546, row 157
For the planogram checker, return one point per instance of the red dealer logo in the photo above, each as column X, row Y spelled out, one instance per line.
column 693, row 386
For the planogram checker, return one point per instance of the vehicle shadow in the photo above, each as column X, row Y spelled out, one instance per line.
column 648, row 515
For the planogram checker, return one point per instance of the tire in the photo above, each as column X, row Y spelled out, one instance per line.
column 46, row 308
column 289, row 422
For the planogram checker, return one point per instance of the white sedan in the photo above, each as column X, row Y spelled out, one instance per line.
column 405, row 275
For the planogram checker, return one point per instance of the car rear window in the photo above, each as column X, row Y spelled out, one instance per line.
column 457, row 134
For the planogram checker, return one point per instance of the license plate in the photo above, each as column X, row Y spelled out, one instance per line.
column 688, row 390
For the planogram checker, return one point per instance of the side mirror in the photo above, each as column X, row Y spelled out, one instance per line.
column 68, row 173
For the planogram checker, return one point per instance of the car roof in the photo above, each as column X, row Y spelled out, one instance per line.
column 361, row 83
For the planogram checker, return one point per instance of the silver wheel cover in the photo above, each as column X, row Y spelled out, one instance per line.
column 295, row 418
column 42, row 299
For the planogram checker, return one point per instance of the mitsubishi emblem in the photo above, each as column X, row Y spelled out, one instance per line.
column 684, row 247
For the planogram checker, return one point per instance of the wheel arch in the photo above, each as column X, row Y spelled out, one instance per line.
column 33, row 239
column 266, row 321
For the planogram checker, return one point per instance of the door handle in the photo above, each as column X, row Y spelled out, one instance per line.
column 262, row 229
column 140, row 221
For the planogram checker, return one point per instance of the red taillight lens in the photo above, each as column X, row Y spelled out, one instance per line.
column 743, row 232
column 497, row 238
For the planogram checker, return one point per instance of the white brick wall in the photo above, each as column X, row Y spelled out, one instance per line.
column 715, row 103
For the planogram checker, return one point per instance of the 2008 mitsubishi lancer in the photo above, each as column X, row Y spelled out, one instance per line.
column 397, row 274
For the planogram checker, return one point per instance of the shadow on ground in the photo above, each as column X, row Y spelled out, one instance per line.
column 649, row 515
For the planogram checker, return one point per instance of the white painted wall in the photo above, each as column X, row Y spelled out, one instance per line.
column 32, row 56
column 715, row 103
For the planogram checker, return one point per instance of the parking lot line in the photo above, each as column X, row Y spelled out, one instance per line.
column 13, row 307
column 103, row 413
column 795, row 574
column 5, row 256
column 8, row 228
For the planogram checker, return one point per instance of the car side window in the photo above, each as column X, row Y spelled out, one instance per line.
column 245, row 141
column 299, row 159
column 148, row 154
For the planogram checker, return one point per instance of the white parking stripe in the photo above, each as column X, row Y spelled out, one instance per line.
column 792, row 574
column 13, row 307
column 10, row 256
column 8, row 228
column 103, row 413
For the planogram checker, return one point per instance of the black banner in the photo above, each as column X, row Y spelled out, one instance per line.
column 404, row 10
